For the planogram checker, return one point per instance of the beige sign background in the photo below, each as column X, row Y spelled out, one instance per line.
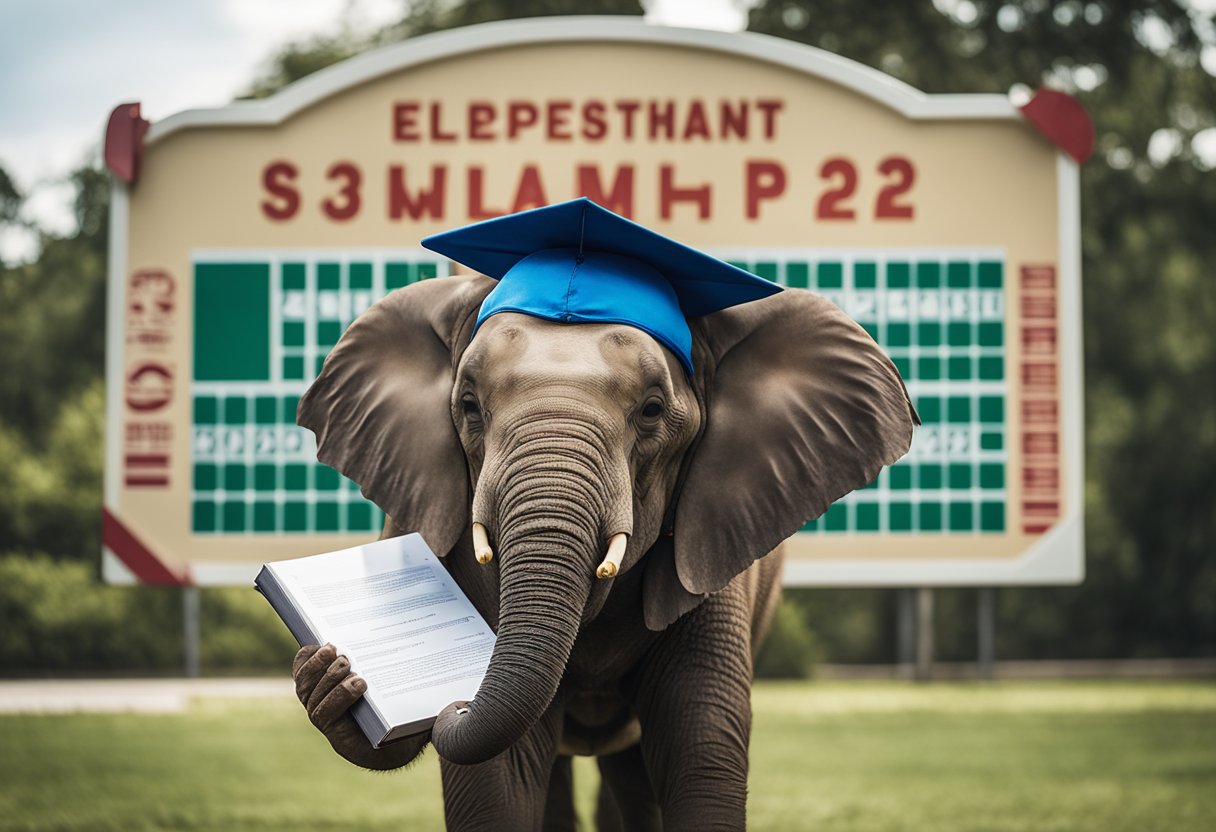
column 948, row 221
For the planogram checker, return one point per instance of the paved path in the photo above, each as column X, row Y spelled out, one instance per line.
column 57, row 696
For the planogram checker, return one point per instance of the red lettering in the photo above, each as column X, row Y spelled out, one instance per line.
column 770, row 108
column 733, row 121
column 530, row 193
column 476, row 194
column 437, row 134
column 481, row 115
column 619, row 200
column 669, row 194
column 662, row 119
column 628, row 110
column 594, row 125
column 349, row 206
column 405, row 121
column 829, row 207
column 696, row 125
column 765, row 180
column 520, row 114
column 278, row 178
column 557, row 119
column 429, row 201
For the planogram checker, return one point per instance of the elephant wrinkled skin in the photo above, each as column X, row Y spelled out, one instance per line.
column 556, row 437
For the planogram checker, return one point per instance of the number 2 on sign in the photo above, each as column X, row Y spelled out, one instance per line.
column 841, row 175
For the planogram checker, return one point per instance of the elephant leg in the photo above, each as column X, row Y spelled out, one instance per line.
column 560, row 814
column 507, row 793
column 694, row 703
column 626, row 800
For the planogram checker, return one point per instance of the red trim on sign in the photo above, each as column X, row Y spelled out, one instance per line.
column 125, row 141
column 138, row 558
column 137, row 480
column 1063, row 120
column 151, row 460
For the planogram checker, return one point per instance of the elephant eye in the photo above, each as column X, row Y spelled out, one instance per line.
column 652, row 410
column 472, row 411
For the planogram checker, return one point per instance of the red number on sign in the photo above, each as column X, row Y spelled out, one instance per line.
column 904, row 175
column 829, row 203
column 348, row 206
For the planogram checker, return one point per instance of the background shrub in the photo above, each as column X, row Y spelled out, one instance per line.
column 790, row 650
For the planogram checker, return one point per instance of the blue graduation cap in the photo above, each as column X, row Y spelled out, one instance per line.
column 580, row 263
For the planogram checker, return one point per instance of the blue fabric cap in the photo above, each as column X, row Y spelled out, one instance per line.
column 581, row 263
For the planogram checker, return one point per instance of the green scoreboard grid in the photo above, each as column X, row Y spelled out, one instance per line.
column 262, row 328
column 264, row 324
column 940, row 315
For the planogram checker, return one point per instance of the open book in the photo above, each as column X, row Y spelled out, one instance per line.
column 395, row 612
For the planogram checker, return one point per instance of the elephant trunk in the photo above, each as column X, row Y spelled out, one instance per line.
column 549, row 537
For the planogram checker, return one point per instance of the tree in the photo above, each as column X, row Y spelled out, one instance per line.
column 10, row 199
column 53, row 328
column 51, row 393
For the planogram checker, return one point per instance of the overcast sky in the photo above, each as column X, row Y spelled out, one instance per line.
column 64, row 64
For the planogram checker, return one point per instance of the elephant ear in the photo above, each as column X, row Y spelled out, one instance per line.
column 381, row 407
column 801, row 407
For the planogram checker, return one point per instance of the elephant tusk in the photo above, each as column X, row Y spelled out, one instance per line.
column 612, row 560
column 481, row 544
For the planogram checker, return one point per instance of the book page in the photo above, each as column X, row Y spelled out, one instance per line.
column 400, row 618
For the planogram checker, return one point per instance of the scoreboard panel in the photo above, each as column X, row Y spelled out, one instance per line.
column 940, row 316
column 263, row 326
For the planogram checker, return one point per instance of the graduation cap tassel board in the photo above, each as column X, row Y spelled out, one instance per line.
column 577, row 262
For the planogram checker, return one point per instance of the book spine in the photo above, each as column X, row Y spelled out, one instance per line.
column 374, row 726
column 297, row 623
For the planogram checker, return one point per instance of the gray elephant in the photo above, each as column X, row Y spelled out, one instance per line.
column 539, row 445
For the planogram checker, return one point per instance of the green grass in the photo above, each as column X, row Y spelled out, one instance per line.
column 839, row 756
column 1060, row 756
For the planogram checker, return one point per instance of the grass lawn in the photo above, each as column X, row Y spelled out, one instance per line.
column 840, row 756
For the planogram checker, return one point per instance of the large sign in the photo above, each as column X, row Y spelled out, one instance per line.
column 245, row 239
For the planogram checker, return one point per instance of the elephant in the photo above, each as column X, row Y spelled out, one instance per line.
column 538, row 445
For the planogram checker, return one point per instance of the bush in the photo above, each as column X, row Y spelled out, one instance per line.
column 50, row 494
column 58, row 618
column 790, row 651
column 240, row 633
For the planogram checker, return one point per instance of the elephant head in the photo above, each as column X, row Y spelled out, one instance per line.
column 556, row 438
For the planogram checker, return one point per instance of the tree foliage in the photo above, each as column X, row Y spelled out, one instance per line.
column 297, row 60
column 10, row 199
column 51, row 386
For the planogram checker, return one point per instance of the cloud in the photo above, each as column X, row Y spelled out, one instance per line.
column 726, row 15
